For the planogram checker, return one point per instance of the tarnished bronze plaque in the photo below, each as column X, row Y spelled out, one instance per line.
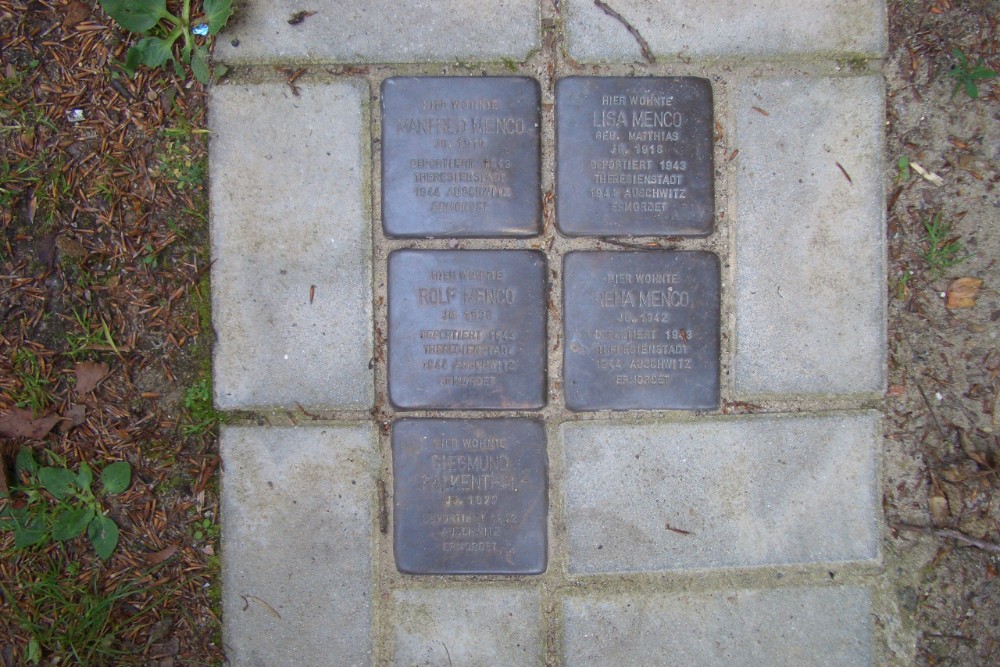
column 460, row 157
column 641, row 330
column 467, row 329
column 634, row 156
column 470, row 496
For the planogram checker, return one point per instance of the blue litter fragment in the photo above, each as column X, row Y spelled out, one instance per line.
column 201, row 29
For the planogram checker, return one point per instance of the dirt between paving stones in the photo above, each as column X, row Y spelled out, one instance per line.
column 942, row 448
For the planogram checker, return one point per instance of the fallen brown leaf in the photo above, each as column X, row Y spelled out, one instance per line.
column 962, row 292
column 74, row 415
column 161, row 555
column 938, row 505
column 5, row 480
column 88, row 374
column 21, row 423
column 70, row 248
column 76, row 13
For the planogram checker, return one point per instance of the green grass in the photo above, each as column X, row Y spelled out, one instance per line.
column 942, row 249
column 37, row 178
column 69, row 620
column 93, row 335
column 35, row 391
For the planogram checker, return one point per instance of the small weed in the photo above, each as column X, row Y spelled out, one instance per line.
column 68, row 620
column 93, row 336
column 201, row 411
column 150, row 259
column 35, row 392
column 162, row 31
column 942, row 250
column 59, row 504
column 904, row 169
column 178, row 164
column 205, row 529
column 967, row 76
column 510, row 64
column 903, row 285
column 854, row 63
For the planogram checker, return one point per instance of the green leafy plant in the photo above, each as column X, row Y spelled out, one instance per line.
column 60, row 504
column 163, row 29
column 67, row 619
column 204, row 529
column 942, row 249
column 904, row 168
column 201, row 411
column 967, row 75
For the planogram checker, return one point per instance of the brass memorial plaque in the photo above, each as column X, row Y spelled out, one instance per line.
column 469, row 496
column 467, row 329
column 634, row 156
column 460, row 157
column 641, row 330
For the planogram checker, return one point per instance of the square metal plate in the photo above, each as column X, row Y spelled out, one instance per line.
column 641, row 330
column 470, row 496
column 634, row 156
column 460, row 157
column 467, row 329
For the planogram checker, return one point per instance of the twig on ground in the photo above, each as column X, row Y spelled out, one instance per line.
column 930, row 409
column 953, row 534
column 647, row 53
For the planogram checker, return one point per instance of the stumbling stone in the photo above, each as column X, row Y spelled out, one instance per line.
column 467, row 329
column 641, row 330
column 460, row 157
column 634, row 156
column 470, row 496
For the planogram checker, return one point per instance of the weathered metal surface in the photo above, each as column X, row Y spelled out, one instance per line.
column 467, row 329
column 470, row 496
column 460, row 157
column 634, row 156
column 641, row 330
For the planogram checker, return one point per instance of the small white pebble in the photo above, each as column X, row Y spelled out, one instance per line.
column 75, row 115
column 286, row 357
column 937, row 395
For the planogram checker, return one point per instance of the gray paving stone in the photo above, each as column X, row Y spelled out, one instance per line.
column 726, row 28
column 810, row 244
column 819, row 627
column 471, row 625
column 747, row 491
column 291, row 241
column 397, row 31
column 296, row 542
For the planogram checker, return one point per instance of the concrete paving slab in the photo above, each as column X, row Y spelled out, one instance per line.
column 391, row 31
column 745, row 492
column 820, row 627
column 296, row 544
column 810, row 237
column 471, row 625
column 717, row 28
column 291, row 241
